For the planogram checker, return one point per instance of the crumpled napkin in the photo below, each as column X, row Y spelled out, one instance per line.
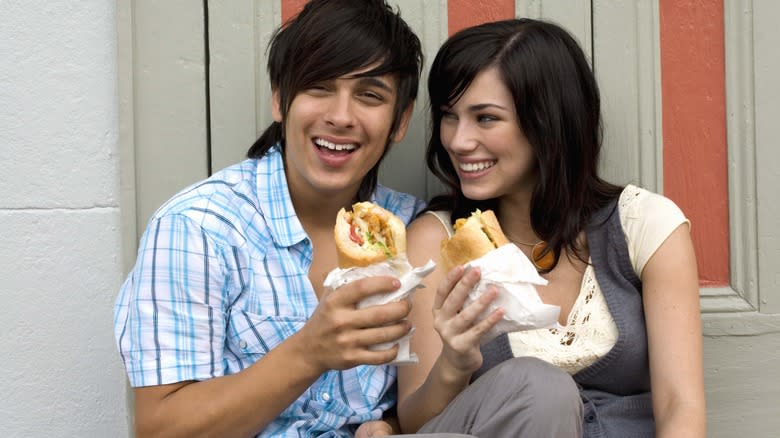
column 510, row 270
column 410, row 278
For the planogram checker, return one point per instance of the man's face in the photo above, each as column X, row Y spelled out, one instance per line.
column 336, row 131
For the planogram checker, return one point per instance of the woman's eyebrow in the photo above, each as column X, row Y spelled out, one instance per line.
column 483, row 106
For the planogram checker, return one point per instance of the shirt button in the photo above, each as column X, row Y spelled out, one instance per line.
column 326, row 396
column 590, row 418
column 242, row 344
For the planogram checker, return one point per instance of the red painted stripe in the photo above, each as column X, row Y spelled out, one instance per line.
column 290, row 8
column 694, row 127
column 465, row 13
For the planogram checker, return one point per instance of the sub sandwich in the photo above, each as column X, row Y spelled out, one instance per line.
column 368, row 234
column 474, row 237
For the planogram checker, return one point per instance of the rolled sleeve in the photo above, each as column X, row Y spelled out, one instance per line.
column 170, row 314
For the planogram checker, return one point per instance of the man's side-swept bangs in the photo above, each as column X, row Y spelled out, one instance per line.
column 344, row 41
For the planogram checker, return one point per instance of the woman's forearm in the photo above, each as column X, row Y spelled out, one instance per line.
column 441, row 386
column 681, row 420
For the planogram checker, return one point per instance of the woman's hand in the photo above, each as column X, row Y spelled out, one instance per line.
column 459, row 327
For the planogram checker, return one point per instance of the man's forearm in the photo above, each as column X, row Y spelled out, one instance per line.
column 237, row 405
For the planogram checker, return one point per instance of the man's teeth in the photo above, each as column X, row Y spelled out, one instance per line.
column 475, row 167
column 333, row 146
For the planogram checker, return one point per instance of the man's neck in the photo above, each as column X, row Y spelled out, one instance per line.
column 316, row 210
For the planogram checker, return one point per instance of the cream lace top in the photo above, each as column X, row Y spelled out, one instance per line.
column 590, row 332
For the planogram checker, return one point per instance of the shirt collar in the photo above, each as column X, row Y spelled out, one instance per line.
column 275, row 202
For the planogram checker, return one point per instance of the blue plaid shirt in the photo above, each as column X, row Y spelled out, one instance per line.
column 221, row 279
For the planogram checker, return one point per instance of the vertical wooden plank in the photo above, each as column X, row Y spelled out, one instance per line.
column 240, row 91
column 127, row 191
column 573, row 15
column 404, row 167
column 767, row 106
column 127, row 200
column 290, row 8
column 740, row 128
column 625, row 58
column 169, row 101
column 233, row 70
column 694, row 120
column 465, row 13
column 267, row 18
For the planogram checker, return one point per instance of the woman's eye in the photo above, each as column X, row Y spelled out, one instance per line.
column 486, row 118
column 448, row 115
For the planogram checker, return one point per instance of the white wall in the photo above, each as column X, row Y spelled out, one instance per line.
column 60, row 266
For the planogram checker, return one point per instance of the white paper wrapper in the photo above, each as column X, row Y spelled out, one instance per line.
column 514, row 276
column 411, row 279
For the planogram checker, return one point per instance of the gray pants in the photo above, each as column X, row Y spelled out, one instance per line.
column 521, row 397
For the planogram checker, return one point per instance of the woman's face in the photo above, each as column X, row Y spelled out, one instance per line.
column 483, row 138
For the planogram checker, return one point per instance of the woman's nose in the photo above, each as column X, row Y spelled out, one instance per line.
column 462, row 139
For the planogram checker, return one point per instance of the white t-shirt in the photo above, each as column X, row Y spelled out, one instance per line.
column 647, row 220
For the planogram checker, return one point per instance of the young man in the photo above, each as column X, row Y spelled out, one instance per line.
column 223, row 324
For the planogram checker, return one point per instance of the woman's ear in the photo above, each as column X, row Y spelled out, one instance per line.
column 276, row 107
column 403, row 124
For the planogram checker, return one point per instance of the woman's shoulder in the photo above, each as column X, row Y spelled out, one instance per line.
column 404, row 205
column 430, row 225
column 647, row 219
column 636, row 203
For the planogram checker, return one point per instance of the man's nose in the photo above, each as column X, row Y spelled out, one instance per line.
column 340, row 111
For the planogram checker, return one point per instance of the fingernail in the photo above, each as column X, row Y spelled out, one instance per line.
column 396, row 284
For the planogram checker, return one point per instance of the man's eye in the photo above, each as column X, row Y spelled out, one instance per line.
column 317, row 88
column 372, row 96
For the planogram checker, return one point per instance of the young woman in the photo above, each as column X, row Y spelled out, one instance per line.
column 516, row 129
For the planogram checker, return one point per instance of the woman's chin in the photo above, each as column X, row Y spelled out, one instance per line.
column 479, row 195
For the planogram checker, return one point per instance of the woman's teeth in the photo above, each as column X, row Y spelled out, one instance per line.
column 333, row 146
column 476, row 167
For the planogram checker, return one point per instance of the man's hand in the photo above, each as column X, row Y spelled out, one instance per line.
column 373, row 429
column 338, row 335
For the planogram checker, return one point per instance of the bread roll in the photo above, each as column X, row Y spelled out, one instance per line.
column 368, row 234
column 474, row 237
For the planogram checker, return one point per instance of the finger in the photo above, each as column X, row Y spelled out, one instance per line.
column 381, row 315
column 457, row 296
column 378, row 357
column 446, row 286
column 354, row 292
column 380, row 335
column 479, row 329
column 470, row 314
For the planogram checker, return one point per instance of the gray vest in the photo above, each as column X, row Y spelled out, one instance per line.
column 615, row 389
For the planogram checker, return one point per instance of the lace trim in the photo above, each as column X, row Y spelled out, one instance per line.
column 627, row 199
column 590, row 332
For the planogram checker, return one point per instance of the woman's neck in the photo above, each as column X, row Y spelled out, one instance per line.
column 514, row 215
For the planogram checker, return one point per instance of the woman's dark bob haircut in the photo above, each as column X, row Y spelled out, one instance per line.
column 558, row 108
column 331, row 38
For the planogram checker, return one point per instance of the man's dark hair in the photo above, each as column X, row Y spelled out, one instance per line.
column 556, row 98
column 331, row 38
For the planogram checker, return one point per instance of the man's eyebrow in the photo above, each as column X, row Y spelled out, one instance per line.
column 375, row 82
